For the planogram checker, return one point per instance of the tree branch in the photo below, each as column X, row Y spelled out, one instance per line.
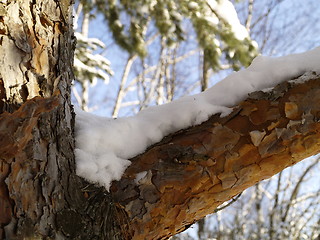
column 190, row 173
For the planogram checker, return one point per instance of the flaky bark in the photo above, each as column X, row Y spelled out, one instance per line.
column 40, row 195
column 35, row 121
column 188, row 174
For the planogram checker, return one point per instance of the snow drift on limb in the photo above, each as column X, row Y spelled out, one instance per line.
column 104, row 145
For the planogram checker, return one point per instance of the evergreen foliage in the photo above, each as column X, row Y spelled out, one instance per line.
column 87, row 64
column 128, row 21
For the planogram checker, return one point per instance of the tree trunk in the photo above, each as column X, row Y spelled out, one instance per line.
column 40, row 195
column 182, row 178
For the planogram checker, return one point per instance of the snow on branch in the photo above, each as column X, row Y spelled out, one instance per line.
column 225, row 10
column 104, row 145
column 89, row 65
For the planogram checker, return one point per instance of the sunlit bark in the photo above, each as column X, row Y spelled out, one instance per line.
column 190, row 173
column 40, row 195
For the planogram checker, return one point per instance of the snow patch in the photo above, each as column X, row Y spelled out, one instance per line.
column 104, row 145
column 226, row 11
column 140, row 176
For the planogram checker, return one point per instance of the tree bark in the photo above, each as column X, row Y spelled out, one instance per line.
column 182, row 178
column 35, row 124
column 190, row 173
column 40, row 195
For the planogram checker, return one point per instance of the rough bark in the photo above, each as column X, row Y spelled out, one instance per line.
column 40, row 195
column 35, row 124
column 190, row 173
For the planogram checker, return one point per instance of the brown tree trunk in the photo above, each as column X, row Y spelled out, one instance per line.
column 40, row 195
column 183, row 178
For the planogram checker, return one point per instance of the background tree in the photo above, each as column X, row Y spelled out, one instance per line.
column 157, row 37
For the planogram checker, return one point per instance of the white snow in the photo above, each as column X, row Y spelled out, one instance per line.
column 212, row 20
column 80, row 66
column 92, row 42
column 193, row 5
column 140, row 176
column 104, row 145
column 225, row 9
column 86, row 61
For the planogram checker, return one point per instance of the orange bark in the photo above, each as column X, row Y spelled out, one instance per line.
column 191, row 172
